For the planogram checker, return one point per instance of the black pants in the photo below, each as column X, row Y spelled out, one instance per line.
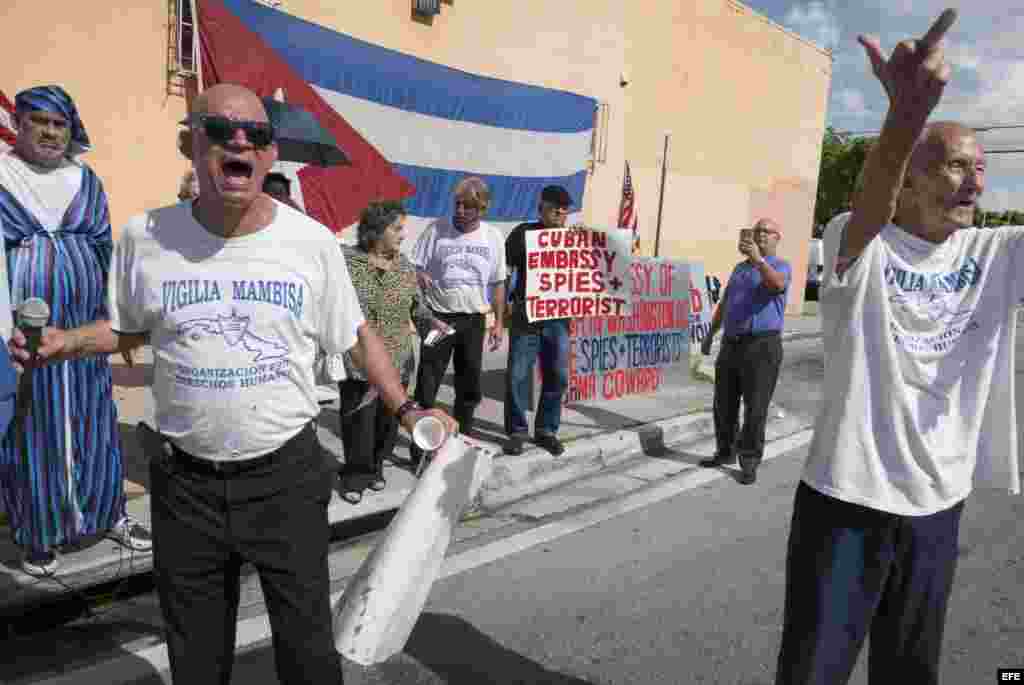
column 851, row 570
column 746, row 368
column 368, row 433
column 205, row 526
column 466, row 347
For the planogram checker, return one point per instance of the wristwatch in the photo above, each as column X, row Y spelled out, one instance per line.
column 407, row 406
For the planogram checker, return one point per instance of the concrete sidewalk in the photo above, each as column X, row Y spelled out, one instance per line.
column 597, row 434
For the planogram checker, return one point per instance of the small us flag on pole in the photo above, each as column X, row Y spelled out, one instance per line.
column 627, row 209
column 8, row 129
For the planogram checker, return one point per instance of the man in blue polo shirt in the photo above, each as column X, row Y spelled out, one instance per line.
column 753, row 309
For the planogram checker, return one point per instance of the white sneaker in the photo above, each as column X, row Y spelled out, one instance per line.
column 131, row 534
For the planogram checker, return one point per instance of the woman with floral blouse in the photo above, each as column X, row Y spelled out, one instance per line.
column 385, row 282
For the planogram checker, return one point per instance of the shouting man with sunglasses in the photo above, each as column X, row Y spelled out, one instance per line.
column 236, row 292
column 753, row 309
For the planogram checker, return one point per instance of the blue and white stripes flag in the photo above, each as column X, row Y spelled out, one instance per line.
column 412, row 127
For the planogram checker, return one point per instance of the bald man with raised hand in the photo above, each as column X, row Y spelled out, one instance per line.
column 236, row 293
column 919, row 324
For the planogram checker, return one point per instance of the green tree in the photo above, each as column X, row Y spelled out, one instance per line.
column 842, row 158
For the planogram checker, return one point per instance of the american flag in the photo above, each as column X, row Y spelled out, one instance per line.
column 627, row 209
column 8, row 130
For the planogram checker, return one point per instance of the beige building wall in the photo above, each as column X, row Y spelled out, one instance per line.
column 111, row 57
column 745, row 100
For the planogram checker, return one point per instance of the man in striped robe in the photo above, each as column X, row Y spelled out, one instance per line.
column 61, row 475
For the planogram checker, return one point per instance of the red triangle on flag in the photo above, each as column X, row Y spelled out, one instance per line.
column 232, row 53
column 8, row 130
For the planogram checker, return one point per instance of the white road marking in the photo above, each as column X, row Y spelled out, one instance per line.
column 687, row 480
column 147, row 662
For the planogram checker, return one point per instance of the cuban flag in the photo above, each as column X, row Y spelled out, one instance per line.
column 412, row 128
column 8, row 129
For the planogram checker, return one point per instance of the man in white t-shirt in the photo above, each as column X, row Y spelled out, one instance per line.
column 460, row 263
column 918, row 395
column 236, row 292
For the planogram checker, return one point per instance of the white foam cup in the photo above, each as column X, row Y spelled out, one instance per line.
column 429, row 433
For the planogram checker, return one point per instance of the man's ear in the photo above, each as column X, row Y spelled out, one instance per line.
column 185, row 143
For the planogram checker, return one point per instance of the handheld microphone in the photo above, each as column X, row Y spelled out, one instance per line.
column 33, row 315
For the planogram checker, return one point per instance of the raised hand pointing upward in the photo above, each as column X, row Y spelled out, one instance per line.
column 916, row 73
column 914, row 77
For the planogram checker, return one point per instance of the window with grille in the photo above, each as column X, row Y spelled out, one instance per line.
column 182, row 46
column 186, row 37
column 427, row 8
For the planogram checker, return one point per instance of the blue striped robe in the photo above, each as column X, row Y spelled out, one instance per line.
column 51, row 499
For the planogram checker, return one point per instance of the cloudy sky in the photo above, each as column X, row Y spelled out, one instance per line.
column 985, row 46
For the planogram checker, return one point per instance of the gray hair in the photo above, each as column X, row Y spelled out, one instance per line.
column 376, row 219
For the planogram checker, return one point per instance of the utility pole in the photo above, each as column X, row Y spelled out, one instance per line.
column 661, row 194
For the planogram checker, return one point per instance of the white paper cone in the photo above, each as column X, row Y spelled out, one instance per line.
column 382, row 602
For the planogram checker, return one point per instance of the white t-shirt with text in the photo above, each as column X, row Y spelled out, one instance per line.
column 462, row 267
column 918, row 396
column 235, row 324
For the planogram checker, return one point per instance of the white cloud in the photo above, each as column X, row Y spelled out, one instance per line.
column 851, row 103
column 1002, row 199
column 998, row 99
column 815, row 21
column 963, row 56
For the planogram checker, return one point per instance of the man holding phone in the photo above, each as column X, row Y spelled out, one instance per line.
column 752, row 310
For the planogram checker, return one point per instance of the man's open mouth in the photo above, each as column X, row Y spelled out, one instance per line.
column 237, row 171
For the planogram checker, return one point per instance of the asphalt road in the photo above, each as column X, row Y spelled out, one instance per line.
column 688, row 590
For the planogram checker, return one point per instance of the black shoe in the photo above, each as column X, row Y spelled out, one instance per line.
column 514, row 446
column 550, row 442
column 748, row 470
column 718, row 460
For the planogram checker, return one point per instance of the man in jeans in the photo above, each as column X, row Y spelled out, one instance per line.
column 549, row 339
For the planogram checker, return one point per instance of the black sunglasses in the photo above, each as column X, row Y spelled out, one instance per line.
column 222, row 130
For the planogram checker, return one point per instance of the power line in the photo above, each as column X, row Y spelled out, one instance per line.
column 980, row 129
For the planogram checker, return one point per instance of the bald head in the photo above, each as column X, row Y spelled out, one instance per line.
column 230, row 149
column 935, row 140
column 944, row 180
column 767, row 234
column 214, row 100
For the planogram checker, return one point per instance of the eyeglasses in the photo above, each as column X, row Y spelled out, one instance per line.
column 221, row 130
column 467, row 208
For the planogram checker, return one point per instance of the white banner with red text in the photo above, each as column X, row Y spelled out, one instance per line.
column 577, row 272
column 641, row 350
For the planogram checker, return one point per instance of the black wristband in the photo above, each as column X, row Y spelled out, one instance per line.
column 408, row 406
